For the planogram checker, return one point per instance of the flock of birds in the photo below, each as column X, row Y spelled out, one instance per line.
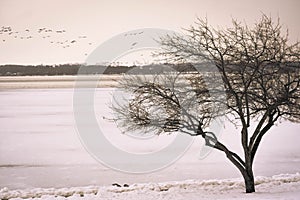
column 54, row 37
column 59, row 38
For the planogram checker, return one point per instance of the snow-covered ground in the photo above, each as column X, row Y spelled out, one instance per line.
column 285, row 186
column 39, row 148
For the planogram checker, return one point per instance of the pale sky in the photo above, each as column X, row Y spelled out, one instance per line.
column 100, row 20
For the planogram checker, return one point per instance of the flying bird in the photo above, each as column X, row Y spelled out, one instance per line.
column 60, row 31
column 41, row 30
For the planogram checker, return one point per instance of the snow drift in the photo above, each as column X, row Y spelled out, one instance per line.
column 283, row 186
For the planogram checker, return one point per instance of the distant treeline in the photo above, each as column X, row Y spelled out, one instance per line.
column 73, row 69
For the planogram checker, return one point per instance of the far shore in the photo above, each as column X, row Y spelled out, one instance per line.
column 63, row 81
column 66, row 81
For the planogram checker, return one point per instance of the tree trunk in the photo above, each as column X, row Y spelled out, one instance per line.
column 244, row 167
column 249, row 180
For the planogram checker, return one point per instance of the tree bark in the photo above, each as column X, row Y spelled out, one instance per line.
column 249, row 180
column 244, row 167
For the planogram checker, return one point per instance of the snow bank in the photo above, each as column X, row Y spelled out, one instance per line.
column 283, row 186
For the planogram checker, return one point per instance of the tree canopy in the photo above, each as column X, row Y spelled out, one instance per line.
column 256, row 83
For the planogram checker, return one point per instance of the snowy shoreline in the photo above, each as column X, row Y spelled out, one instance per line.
column 283, row 186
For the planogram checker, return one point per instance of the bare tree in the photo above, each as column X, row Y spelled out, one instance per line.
column 256, row 83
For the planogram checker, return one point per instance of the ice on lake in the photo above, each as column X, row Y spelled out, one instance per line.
column 40, row 147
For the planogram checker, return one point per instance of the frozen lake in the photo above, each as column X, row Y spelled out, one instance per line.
column 39, row 146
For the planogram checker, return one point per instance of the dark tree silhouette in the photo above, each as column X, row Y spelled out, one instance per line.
column 256, row 84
